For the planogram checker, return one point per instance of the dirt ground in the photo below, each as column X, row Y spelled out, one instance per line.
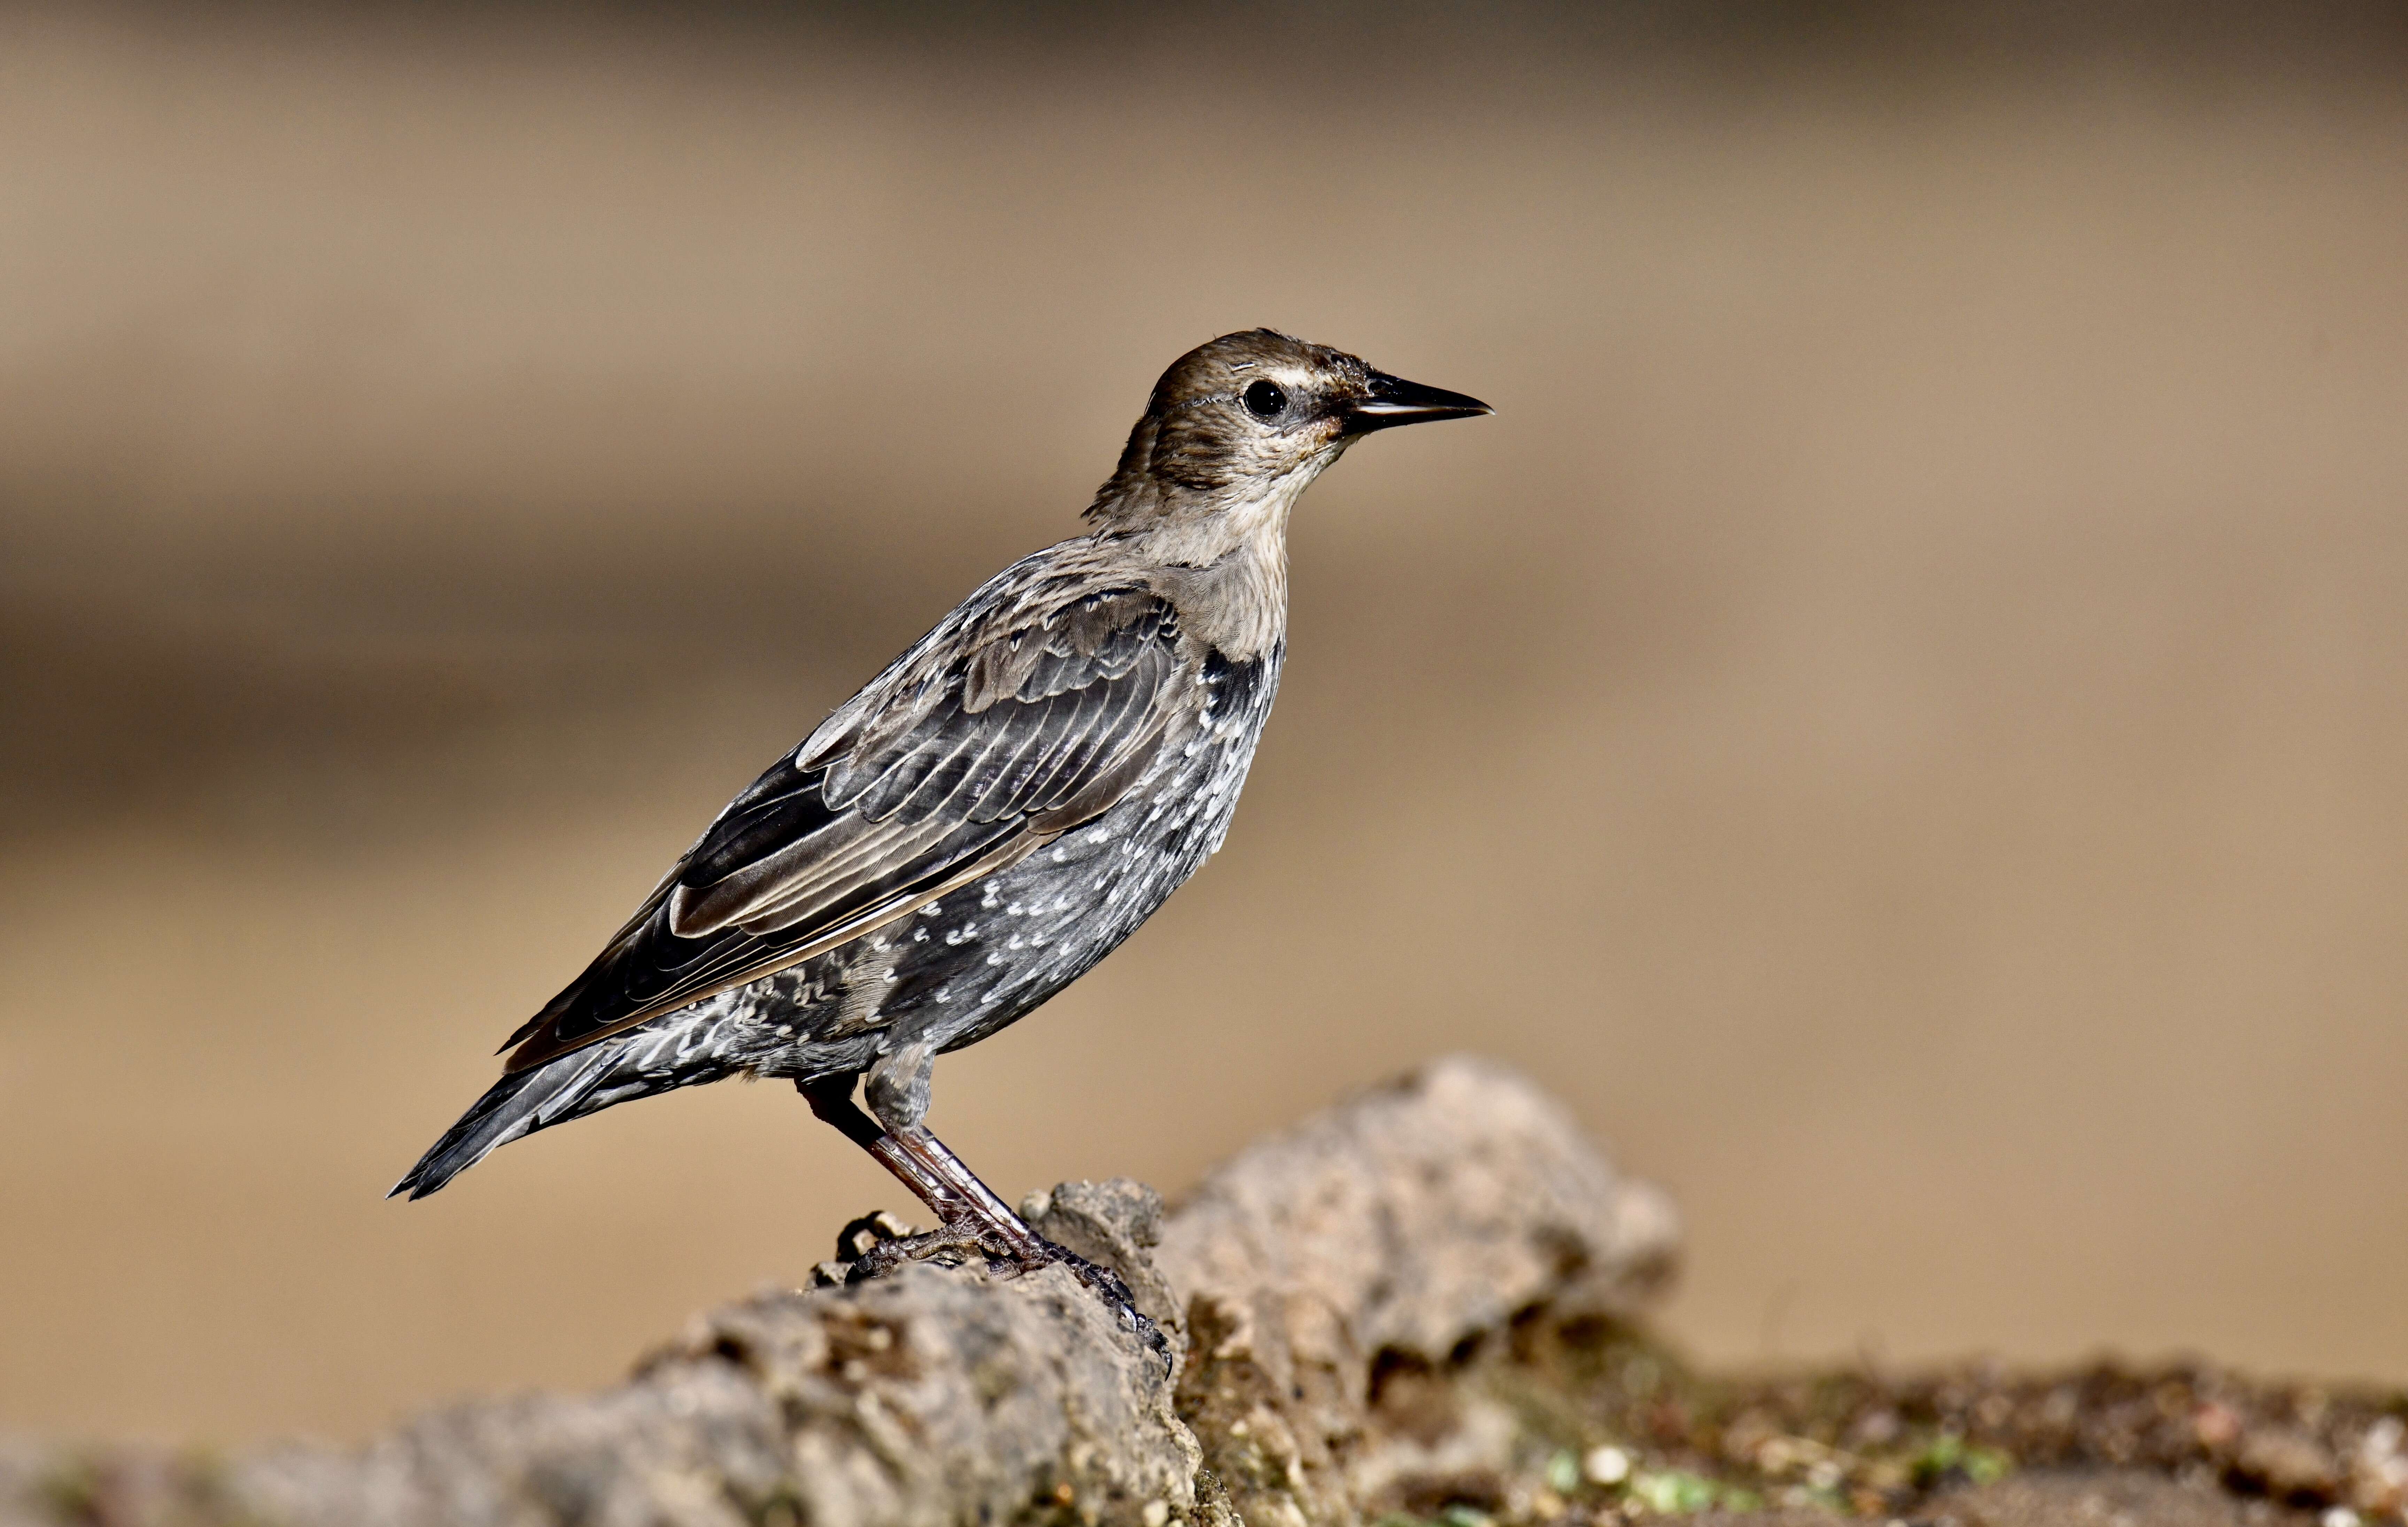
column 1640, row 1434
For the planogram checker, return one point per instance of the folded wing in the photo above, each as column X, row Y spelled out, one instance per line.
column 961, row 760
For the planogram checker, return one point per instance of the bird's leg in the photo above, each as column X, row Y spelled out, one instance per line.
column 932, row 1156
column 831, row 1099
column 968, row 1215
column 968, row 1207
column 971, row 1211
column 1026, row 1251
column 898, row 1096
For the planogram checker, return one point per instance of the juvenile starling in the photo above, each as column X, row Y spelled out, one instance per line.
column 989, row 816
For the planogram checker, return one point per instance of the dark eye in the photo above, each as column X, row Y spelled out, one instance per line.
column 1264, row 399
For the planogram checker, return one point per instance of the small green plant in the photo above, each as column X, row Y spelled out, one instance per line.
column 1564, row 1472
column 1677, row 1492
column 1949, row 1453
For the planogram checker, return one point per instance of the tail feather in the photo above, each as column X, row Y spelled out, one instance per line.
column 518, row 1105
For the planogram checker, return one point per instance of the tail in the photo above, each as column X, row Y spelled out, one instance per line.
column 519, row 1103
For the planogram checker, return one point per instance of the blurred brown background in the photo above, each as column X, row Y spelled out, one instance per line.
column 1900, row 718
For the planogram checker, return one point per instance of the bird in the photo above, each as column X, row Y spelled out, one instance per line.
column 987, row 818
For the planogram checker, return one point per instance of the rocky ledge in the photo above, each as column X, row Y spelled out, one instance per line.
column 1418, row 1309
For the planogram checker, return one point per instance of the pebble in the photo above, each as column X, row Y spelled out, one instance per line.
column 1606, row 1466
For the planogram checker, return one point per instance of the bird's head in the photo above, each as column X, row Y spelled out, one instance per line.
column 1239, row 425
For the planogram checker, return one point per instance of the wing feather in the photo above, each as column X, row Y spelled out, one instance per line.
column 1039, row 748
column 1100, row 717
column 1002, row 730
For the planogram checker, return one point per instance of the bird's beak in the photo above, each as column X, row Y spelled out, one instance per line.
column 1392, row 401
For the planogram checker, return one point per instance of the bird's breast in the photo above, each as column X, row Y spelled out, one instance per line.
column 992, row 950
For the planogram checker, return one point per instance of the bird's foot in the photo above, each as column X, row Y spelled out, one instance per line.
column 877, row 1244
column 1104, row 1281
column 948, row 1246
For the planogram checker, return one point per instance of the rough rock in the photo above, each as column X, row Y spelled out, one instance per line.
column 1412, row 1218
column 925, row 1398
column 1333, row 1270
column 1421, row 1211
column 1115, row 1224
column 1412, row 1309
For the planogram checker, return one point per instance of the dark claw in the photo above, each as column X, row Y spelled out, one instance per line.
column 1105, row 1281
column 946, row 1248
column 859, row 1237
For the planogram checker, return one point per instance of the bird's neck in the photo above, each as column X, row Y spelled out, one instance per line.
column 1225, row 567
column 1222, row 549
column 1237, row 603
